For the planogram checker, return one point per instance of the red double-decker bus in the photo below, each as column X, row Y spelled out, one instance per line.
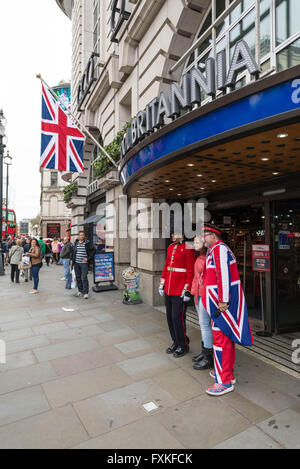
column 11, row 223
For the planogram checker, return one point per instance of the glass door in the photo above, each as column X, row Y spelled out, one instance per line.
column 286, row 225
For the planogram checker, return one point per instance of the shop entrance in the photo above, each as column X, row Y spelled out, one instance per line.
column 244, row 226
column 286, row 260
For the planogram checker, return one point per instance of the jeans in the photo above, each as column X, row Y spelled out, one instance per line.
column 35, row 275
column 15, row 270
column 205, row 325
column 81, row 272
column 68, row 275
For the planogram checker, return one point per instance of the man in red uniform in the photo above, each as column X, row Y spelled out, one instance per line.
column 176, row 282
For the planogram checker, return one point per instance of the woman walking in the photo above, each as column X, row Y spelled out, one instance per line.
column 15, row 256
column 205, row 359
column 36, row 263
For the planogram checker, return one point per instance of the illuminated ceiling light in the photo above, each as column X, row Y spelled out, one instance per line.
column 282, row 135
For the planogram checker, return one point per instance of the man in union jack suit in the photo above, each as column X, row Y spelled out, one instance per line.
column 175, row 283
column 224, row 300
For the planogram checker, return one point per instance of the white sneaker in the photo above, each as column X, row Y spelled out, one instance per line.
column 86, row 297
column 79, row 294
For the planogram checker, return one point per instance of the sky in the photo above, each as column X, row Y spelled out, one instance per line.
column 35, row 37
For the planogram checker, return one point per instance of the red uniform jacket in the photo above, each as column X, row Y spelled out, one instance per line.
column 179, row 256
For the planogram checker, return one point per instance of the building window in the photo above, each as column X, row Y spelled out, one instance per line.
column 53, row 179
column 96, row 26
column 277, row 46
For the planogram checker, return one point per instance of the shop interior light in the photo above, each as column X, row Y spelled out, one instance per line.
column 282, row 135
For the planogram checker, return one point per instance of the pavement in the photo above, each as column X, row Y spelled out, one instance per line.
column 79, row 377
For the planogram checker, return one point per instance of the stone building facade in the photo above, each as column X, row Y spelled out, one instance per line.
column 132, row 52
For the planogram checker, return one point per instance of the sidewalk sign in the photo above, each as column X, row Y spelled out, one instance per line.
column 261, row 262
column 104, row 272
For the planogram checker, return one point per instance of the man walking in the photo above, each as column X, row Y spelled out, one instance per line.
column 83, row 254
column 175, row 283
column 65, row 257
column 223, row 298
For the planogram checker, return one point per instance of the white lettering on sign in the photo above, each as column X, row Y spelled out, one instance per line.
column 296, row 93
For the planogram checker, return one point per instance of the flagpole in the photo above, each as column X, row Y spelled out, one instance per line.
column 83, row 128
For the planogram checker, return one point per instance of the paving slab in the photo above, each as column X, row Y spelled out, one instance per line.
column 18, row 360
column 18, row 405
column 284, row 428
column 146, row 366
column 119, row 407
column 26, row 377
column 252, row 438
column 191, row 422
column 74, row 364
column 83, row 385
column 51, row 352
column 142, row 434
column 55, row 429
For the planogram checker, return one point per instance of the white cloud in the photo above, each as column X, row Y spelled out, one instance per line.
column 35, row 37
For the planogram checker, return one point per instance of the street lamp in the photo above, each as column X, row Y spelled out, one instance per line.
column 3, row 143
column 8, row 162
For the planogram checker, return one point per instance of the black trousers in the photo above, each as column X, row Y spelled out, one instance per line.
column 14, row 269
column 176, row 317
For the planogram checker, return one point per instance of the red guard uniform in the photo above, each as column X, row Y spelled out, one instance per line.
column 178, row 277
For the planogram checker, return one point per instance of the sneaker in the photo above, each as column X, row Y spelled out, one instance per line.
column 213, row 375
column 219, row 389
column 86, row 296
column 79, row 294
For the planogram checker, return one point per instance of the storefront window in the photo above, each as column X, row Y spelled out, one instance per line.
column 279, row 32
column 289, row 57
column 287, row 19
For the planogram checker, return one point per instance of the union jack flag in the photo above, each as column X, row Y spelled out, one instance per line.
column 62, row 141
column 222, row 284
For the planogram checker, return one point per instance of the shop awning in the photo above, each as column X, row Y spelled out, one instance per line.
column 93, row 219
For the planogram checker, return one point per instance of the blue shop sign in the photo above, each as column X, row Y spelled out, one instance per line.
column 268, row 103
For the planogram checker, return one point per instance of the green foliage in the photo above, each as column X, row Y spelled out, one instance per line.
column 69, row 191
column 103, row 164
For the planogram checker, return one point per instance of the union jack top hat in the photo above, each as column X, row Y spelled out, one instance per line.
column 207, row 227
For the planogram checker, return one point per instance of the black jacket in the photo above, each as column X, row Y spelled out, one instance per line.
column 66, row 252
column 90, row 250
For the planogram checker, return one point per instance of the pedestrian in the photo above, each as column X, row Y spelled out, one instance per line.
column 5, row 250
column 175, row 285
column 203, row 360
column 43, row 247
column 48, row 252
column 223, row 298
column 36, row 263
column 65, row 256
column 82, row 255
column 27, row 272
column 55, row 250
column 15, row 256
